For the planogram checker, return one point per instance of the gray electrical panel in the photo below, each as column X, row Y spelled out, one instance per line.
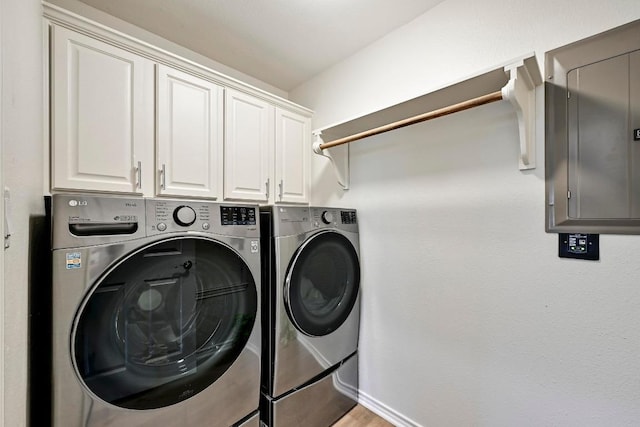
column 592, row 106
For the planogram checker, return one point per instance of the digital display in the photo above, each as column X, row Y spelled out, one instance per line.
column 237, row 215
column 348, row 217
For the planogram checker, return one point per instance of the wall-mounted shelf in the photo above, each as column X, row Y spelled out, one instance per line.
column 514, row 82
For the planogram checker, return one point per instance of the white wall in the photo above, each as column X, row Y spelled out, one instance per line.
column 22, row 124
column 469, row 317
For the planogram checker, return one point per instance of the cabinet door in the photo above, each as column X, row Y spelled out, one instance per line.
column 248, row 147
column 102, row 116
column 603, row 158
column 293, row 140
column 189, row 151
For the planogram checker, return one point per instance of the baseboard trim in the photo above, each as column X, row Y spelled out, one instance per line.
column 389, row 414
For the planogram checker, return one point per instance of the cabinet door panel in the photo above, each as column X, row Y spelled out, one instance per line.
column 634, row 127
column 601, row 151
column 293, row 139
column 189, row 134
column 102, row 115
column 248, row 147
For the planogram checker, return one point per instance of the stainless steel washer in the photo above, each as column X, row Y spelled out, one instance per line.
column 311, row 307
column 155, row 310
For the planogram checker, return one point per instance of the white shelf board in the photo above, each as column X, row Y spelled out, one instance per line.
column 516, row 79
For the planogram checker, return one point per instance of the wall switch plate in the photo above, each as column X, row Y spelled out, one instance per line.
column 579, row 246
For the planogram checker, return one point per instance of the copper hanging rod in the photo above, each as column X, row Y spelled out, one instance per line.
column 461, row 106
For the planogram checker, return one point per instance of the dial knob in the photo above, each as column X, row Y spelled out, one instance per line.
column 327, row 217
column 184, row 216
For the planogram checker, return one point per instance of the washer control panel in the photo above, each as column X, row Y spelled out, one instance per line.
column 170, row 216
column 176, row 215
column 237, row 215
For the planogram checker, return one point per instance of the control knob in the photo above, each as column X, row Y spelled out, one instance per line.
column 327, row 217
column 184, row 216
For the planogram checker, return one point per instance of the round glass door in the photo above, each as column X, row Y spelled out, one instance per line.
column 164, row 324
column 322, row 284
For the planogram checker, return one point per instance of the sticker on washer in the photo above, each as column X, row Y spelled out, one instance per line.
column 74, row 260
column 254, row 246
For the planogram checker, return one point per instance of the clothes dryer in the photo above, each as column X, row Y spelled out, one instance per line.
column 311, row 309
column 155, row 312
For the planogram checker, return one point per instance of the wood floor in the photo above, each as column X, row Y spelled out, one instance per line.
column 362, row 417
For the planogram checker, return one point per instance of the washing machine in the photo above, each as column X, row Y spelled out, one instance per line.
column 155, row 307
column 311, row 315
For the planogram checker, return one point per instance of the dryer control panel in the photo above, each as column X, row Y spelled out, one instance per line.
column 348, row 217
column 334, row 217
column 291, row 220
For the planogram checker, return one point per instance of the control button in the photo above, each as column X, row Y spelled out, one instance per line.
column 184, row 216
column 161, row 226
column 205, row 225
column 327, row 217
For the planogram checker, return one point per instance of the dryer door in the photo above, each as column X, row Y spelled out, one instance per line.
column 322, row 283
column 164, row 323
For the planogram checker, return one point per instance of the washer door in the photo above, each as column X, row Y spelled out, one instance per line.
column 165, row 323
column 322, row 283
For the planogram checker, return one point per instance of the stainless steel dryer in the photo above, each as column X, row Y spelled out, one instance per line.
column 155, row 312
column 311, row 309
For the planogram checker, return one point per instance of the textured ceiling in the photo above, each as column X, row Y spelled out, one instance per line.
column 281, row 42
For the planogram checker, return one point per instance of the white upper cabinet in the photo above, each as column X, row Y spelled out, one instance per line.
column 101, row 116
column 267, row 151
column 127, row 117
column 189, row 135
column 248, row 147
column 292, row 152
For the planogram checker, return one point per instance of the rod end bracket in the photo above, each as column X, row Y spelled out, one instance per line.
column 338, row 156
column 316, row 145
column 520, row 91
